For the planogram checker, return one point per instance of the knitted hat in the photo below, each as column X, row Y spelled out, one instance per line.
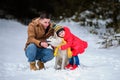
column 57, row 28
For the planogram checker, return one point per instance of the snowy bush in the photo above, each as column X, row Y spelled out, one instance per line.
column 109, row 40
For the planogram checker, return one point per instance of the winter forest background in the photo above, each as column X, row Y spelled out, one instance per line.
column 85, row 12
column 25, row 10
column 96, row 21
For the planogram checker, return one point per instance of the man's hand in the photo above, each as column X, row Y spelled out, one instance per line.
column 44, row 44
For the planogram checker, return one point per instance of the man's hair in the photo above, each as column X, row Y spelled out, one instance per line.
column 45, row 15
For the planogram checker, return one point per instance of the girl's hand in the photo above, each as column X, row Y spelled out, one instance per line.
column 60, row 48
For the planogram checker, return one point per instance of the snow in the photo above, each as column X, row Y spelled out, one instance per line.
column 96, row 64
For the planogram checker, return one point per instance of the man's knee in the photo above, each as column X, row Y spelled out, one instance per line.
column 32, row 45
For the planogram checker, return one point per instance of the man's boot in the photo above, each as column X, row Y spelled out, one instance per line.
column 40, row 65
column 33, row 66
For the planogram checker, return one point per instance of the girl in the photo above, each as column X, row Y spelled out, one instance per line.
column 76, row 44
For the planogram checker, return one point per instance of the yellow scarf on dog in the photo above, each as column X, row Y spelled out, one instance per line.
column 69, row 52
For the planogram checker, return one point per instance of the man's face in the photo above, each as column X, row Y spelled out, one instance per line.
column 61, row 33
column 45, row 22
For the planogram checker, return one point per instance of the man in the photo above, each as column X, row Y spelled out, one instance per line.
column 36, row 46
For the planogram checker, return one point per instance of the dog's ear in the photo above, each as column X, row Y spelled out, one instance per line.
column 50, row 37
column 55, row 35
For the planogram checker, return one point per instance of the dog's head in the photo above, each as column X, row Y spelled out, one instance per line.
column 54, row 40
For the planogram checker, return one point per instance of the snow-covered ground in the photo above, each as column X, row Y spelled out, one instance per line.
column 96, row 64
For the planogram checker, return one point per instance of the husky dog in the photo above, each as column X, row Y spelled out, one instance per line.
column 61, row 57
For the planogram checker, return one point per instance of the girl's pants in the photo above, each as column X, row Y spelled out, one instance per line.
column 74, row 60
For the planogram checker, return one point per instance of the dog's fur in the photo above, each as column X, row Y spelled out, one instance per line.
column 61, row 58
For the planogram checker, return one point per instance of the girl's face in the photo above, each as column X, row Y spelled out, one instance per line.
column 45, row 22
column 61, row 33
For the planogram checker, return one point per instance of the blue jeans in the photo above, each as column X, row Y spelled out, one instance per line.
column 74, row 60
column 34, row 53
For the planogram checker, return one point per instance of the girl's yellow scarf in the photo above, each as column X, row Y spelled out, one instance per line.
column 69, row 52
